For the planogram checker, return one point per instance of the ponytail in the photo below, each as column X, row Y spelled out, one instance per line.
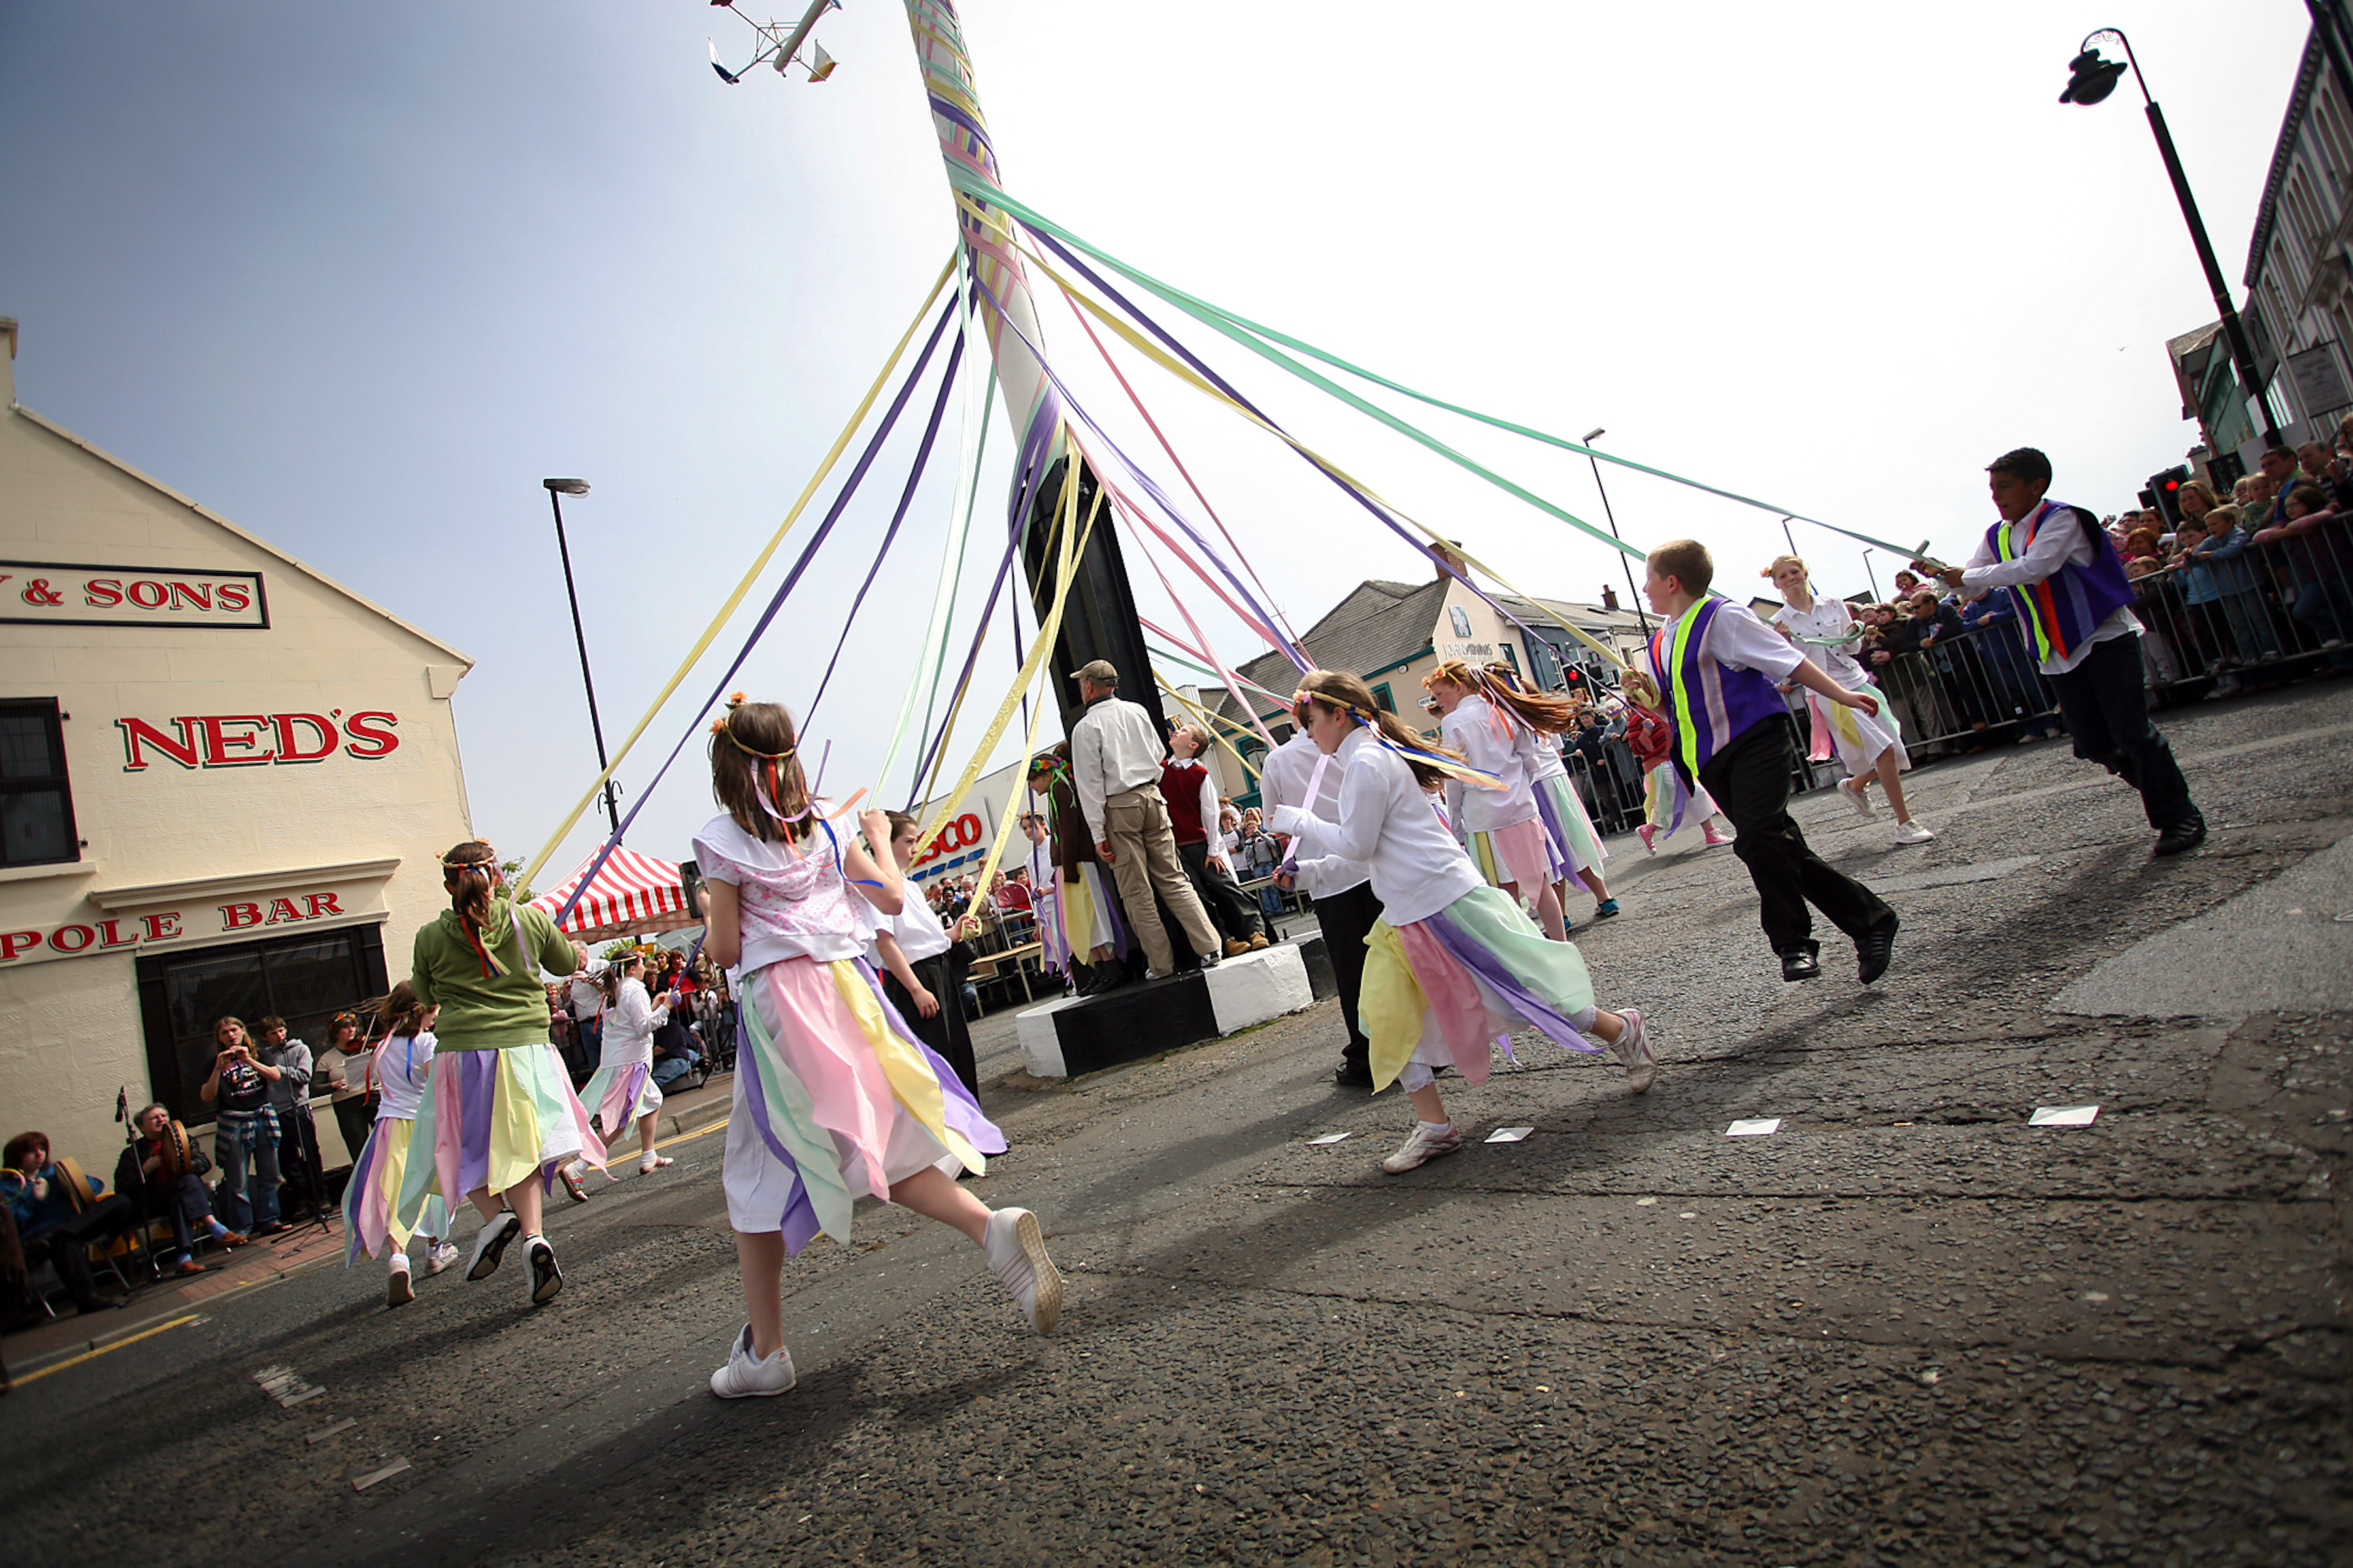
column 468, row 872
column 1546, row 712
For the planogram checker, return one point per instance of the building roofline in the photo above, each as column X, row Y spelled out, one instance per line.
column 111, row 460
column 2299, row 104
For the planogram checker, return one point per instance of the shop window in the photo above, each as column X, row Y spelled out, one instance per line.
column 36, row 820
column 305, row 980
column 1382, row 700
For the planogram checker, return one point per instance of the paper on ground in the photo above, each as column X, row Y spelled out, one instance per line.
column 1754, row 1127
column 1328, row 1137
column 2062, row 1116
column 1508, row 1134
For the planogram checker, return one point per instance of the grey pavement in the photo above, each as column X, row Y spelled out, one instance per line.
column 1905, row 1327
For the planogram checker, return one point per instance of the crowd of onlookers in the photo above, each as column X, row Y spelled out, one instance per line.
column 694, row 1013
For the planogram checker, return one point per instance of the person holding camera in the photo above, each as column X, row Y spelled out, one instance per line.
column 244, row 1135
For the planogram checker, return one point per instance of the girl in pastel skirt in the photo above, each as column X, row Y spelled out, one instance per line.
column 622, row 1089
column 1868, row 747
column 835, row 1098
column 1503, row 835
column 498, row 1118
column 1453, row 964
column 1541, row 715
column 1667, row 801
column 371, row 1223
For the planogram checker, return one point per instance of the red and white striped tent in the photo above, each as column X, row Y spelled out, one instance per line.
column 633, row 895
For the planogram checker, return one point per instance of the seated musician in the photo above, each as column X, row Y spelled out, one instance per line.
column 49, row 1222
column 144, row 1175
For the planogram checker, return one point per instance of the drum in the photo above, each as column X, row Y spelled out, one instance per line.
column 79, row 1189
column 176, row 1155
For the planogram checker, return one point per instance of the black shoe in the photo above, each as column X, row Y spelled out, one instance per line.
column 1801, row 963
column 546, row 1278
column 2182, row 836
column 97, row 1304
column 1351, row 1076
column 1873, row 948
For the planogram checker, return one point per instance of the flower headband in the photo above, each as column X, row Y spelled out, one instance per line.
column 724, row 726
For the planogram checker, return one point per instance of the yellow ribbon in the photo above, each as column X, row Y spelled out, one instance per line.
column 759, row 564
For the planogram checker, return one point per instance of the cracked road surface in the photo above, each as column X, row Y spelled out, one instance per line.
column 1906, row 1327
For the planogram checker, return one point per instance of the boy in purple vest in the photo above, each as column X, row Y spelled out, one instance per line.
column 2074, row 598
column 1716, row 664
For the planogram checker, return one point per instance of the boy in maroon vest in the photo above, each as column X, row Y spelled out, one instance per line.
column 2074, row 599
column 1716, row 665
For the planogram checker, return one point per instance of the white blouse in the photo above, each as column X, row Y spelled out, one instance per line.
column 1828, row 618
column 629, row 1025
column 1490, row 742
column 915, row 928
column 1386, row 822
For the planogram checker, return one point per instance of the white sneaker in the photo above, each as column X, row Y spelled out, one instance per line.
column 1853, row 790
column 1016, row 1255
column 398, row 1292
column 1910, row 832
column 546, row 1278
column 1634, row 1050
column 440, row 1255
column 491, row 1243
column 649, row 1163
column 1422, row 1148
column 746, row 1376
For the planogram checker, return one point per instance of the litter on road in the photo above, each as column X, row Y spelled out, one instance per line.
column 1508, row 1134
column 2062, row 1116
column 1753, row 1127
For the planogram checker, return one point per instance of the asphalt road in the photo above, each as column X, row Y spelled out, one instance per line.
column 1905, row 1327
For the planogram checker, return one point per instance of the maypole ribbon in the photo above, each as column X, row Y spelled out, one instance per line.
column 1389, row 511
column 1202, row 309
column 776, row 604
column 759, row 563
column 1041, row 649
column 1386, row 513
column 1210, row 721
column 931, row 663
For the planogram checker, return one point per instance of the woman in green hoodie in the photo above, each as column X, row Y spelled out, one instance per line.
column 500, row 1117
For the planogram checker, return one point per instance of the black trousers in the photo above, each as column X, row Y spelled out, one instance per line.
column 67, row 1246
column 1234, row 913
column 185, row 1203
column 1346, row 919
column 1750, row 780
column 298, row 1158
column 945, row 1031
column 2107, row 713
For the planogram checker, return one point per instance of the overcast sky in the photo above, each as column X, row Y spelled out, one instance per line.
column 359, row 277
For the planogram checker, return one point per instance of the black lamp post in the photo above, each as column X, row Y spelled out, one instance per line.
column 2090, row 82
column 1632, row 588
column 557, row 490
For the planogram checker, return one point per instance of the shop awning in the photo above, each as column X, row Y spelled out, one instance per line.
column 633, row 895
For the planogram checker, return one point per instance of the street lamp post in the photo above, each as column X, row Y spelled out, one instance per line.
column 2090, row 82
column 557, row 490
column 1632, row 587
column 1869, row 575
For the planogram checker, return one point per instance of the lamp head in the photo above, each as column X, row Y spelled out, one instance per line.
column 567, row 487
column 1594, row 435
column 2091, row 79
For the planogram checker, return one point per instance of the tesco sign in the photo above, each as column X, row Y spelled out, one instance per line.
column 963, row 833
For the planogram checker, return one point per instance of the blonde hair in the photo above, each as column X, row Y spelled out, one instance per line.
column 1688, row 562
column 1780, row 561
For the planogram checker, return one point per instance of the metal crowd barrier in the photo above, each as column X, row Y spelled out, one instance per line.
column 2260, row 615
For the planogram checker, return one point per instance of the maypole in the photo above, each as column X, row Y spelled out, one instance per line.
column 1100, row 619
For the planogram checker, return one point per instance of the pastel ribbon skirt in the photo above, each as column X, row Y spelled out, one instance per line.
column 1563, row 812
column 835, row 1100
column 1443, row 991
column 494, row 1119
column 372, row 1222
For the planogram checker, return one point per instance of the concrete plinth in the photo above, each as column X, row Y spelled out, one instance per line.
column 1073, row 1036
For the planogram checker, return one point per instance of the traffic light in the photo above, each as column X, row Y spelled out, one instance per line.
column 2166, row 488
